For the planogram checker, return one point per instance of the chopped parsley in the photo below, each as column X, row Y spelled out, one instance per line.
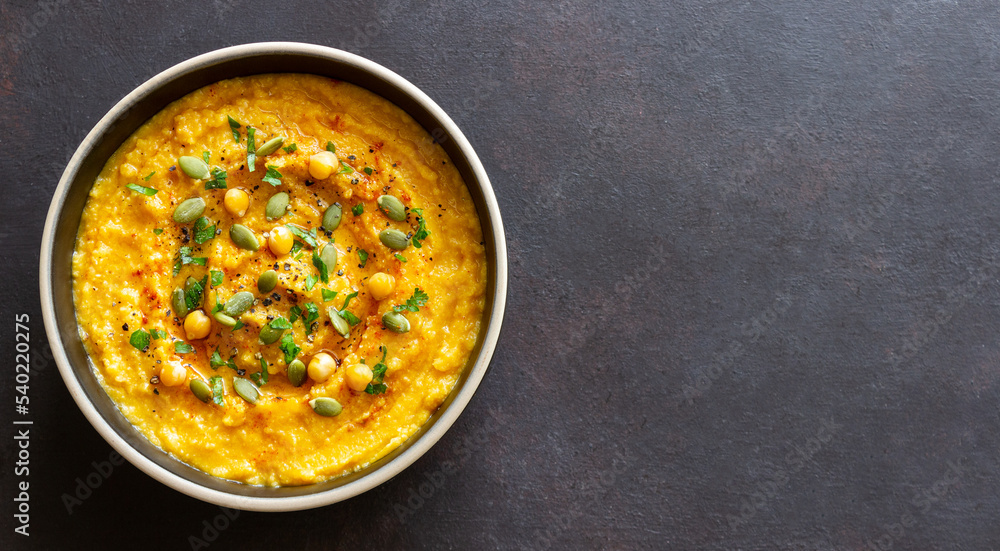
column 422, row 231
column 158, row 231
column 218, row 304
column 330, row 147
column 158, row 334
column 216, row 361
column 349, row 317
column 202, row 231
column 296, row 247
column 290, row 148
column 280, row 323
column 235, row 126
column 142, row 189
column 400, row 257
column 206, row 156
column 273, row 177
column 148, row 176
column 251, row 149
column 329, row 295
column 139, row 339
column 413, row 304
column 362, row 257
column 358, row 209
column 368, row 170
column 289, row 347
column 260, row 379
column 308, row 236
column 218, row 180
column 311, row 315
column 182, row 347
column 239, row 323
column 216, row 278
column 324, row 270
column 218, row 387
column 192, row 295
column 378, row 374
column 310, row 282
column 345, row 168
column 293, row 313
column 184, row 258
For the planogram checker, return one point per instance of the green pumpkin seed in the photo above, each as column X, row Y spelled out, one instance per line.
column 246, row 390
column 270, row 335
column 193, row 167
column 267, row 281
column 225, row 320
column 276, row 206
column 340, row 325
column 329, row 256
column 327, row 407
column 395, row 322
column 296, row 372
column 238, row 303
column 394, row 239
column 189, row 210
column 244, row 237
column 178, row 302
column 392, row 207
column 270, row 146
column 331, row 218
column 201, row 390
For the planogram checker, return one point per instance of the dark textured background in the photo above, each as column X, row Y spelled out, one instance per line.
column 754, row 256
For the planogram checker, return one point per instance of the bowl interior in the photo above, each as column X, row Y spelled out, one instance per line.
column 67, row 207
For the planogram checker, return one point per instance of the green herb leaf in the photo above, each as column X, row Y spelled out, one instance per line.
column 310, row 282
column 202, row 231
column 218, row 180
column 290, row 148
column 413, row 304
column 351, row 318
column 192, row 296
column 363, row 258
column 400, row 257
column 218, row 303
column 287, row 345
column 368, row 170
column 324, row 271
column 345, row 168
column 158, row 334
column 378, row 374
column 139, row 339
column 422, row 231
column 330, row 147
column 329, row 295
column 239, row 323
column 251, row 149
column 280, row 323
column 216, row 278
column 142, row 189
column 215, row 360
column 218, row 388
column 184, row 258
column 158, row 231
column 150, row 175
column 182, row 347
column 347, row 300
column 260, row 379
column 206, row 156
column 358, row 209
column 308, row 236
column 296, row 247
column 293, row 313
column 311, row 315
column 235, row 127
column 273, row 177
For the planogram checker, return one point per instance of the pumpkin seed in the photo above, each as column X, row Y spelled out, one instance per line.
column 189, row 210
column 246, row 390
column 340, row 325
column 327, row 407
column 238, row 303
column 331, row 218
column 267, row 281
column 392, row 207
column 193, row 167
column 269, row 335
column 222, row 318
column 201, row 390
column 270, row 146
column 329, row 256
column 394, row 239
column 395, row 322
column 276, row 206
column 296, row 372
column 178, row 302
column 244, row 237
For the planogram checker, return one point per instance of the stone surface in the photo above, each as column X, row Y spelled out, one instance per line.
column 754, row 254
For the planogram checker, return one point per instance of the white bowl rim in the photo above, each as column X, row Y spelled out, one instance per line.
column 416, row 449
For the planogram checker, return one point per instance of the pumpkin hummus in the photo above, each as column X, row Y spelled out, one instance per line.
column 332, row 359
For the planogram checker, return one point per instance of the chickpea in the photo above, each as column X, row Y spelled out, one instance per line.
column 173, row 374
column 358, row 376
column 322, row 164
column 197, row 325
column 236, row 202
column 280, row 240
column 321, row 367
column 381, row 285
